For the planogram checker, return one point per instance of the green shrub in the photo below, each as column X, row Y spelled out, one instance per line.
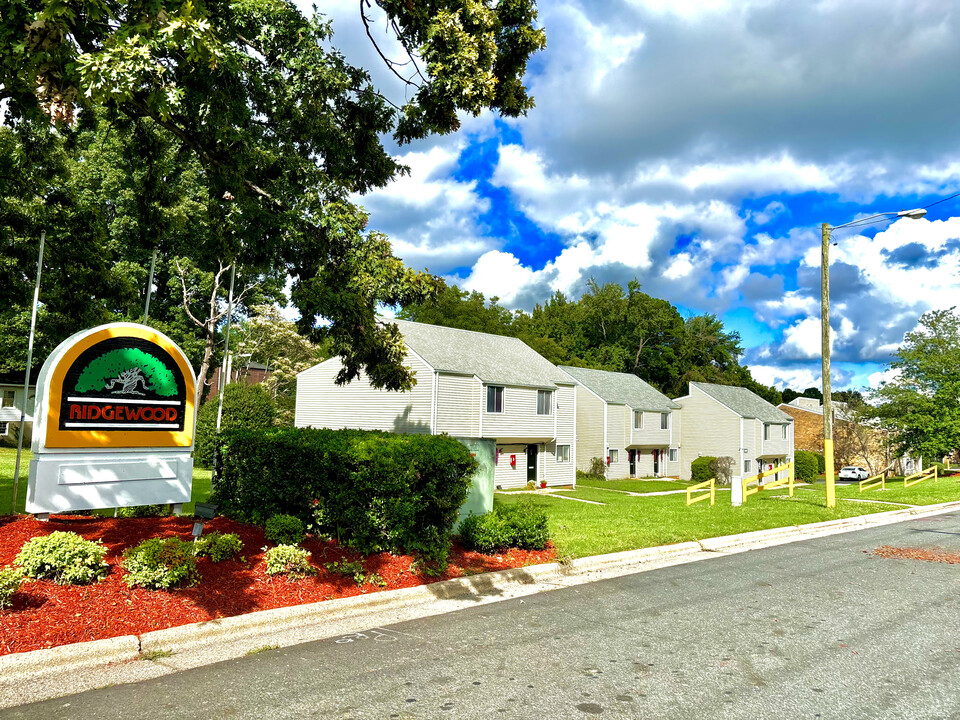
column 598, row 467
column 160, row 564
column 289, row 560
column 805, row 465
column 284, row 530
column 218, row 546
column 700, row 469
column 247, row 407
column 722, row 469
column 821, row 463
column 373, row 491
column 350, row 569
column 64, row 557
column 142, row 511
column 523, row 525
column 10, row 579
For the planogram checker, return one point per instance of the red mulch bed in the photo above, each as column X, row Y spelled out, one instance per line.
column 930, row 554
column 45, row 614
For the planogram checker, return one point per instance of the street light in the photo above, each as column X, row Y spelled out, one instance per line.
column 825, row 335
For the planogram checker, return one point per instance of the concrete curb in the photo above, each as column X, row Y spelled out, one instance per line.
column 312, row 620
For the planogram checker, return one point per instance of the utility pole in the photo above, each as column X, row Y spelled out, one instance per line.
column 825, row 337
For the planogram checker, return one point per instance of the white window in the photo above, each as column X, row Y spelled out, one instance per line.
column 746, row 466
column 563, row 453
column 785, row 431
column 673, row 454
column 766, row 431
column 4, row 428
column 638, row 419
column 494, row 399
column 614, row 456
column 8, row 396
column 664, row 421
column 544, row 402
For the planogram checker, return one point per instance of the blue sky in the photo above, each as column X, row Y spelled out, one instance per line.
column 698, row 146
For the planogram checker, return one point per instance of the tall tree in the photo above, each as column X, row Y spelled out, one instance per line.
column 283, row 127
column 920, row 407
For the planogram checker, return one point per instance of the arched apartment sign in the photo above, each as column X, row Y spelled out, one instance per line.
column 114, row 422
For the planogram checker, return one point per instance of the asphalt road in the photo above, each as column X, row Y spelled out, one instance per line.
column 815, row 629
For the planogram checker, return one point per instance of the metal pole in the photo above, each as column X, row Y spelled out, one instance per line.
column 146, row 307
column 226, row 345
column 26, row 376
column 825, row 335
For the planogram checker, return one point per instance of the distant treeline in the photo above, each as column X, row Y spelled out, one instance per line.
column 610, row 328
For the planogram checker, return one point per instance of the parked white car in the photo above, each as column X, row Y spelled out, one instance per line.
column 853, row 473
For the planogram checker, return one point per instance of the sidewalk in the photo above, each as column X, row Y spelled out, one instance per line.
column 43, row 674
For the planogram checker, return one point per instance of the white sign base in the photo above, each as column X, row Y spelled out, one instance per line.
column 84, row 481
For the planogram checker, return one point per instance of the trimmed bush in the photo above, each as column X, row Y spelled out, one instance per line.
column 805, row 465
column 248, row 407
column 700, row 469
column 598, row 467
column 218, row 546
column 373, row 491
column 523, row 526
column 10, row 579
column 284, row 530
column 821, row 463
column 160, row 564
column 288, row 560
column 64, row 557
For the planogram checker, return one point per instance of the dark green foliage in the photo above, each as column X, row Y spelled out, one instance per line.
column 821, row 463
column 284, row 530
column 700, row 469
column 64, row 557
column 142, row 511
column 805, row 465
column 523, row 525
column 218, row 546
column 244, row 406
column 373, row 491
column 160, row 564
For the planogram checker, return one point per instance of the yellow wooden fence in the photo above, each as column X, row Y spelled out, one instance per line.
column 919, row 477
column 757, row 481
column 709, row 488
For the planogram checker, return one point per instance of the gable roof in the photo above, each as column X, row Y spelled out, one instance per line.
column 745, row 403
column 621, row 388
column 492, row 358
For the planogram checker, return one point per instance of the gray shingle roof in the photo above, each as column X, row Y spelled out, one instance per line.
column 622, row 388
column 744, row 402
column 492, row 358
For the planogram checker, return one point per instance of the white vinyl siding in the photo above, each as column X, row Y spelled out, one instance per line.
column 651, row 434
column 323, row 403
column 504, row 475
column 519, row 418
column 589, row 440
column 777, row 445
column 708, row 428
column 619, row 419
column 458, row 405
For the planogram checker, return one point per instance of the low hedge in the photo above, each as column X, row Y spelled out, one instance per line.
column 373, row 491
column 805, row 465
column 523, row 526
column 700, row 469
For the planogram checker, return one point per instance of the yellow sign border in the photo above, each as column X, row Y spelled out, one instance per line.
column 117, row 438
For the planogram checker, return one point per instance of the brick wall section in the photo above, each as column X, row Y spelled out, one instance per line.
column 807, row 428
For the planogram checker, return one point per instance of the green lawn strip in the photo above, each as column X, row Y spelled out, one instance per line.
column 627, row 523
column 8, row 460
column 926, row 493
column 589, row 494
column 637, row 486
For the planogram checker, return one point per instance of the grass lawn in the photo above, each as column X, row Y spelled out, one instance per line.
column 625, row 522
column 8, row 460
column 637, row 486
